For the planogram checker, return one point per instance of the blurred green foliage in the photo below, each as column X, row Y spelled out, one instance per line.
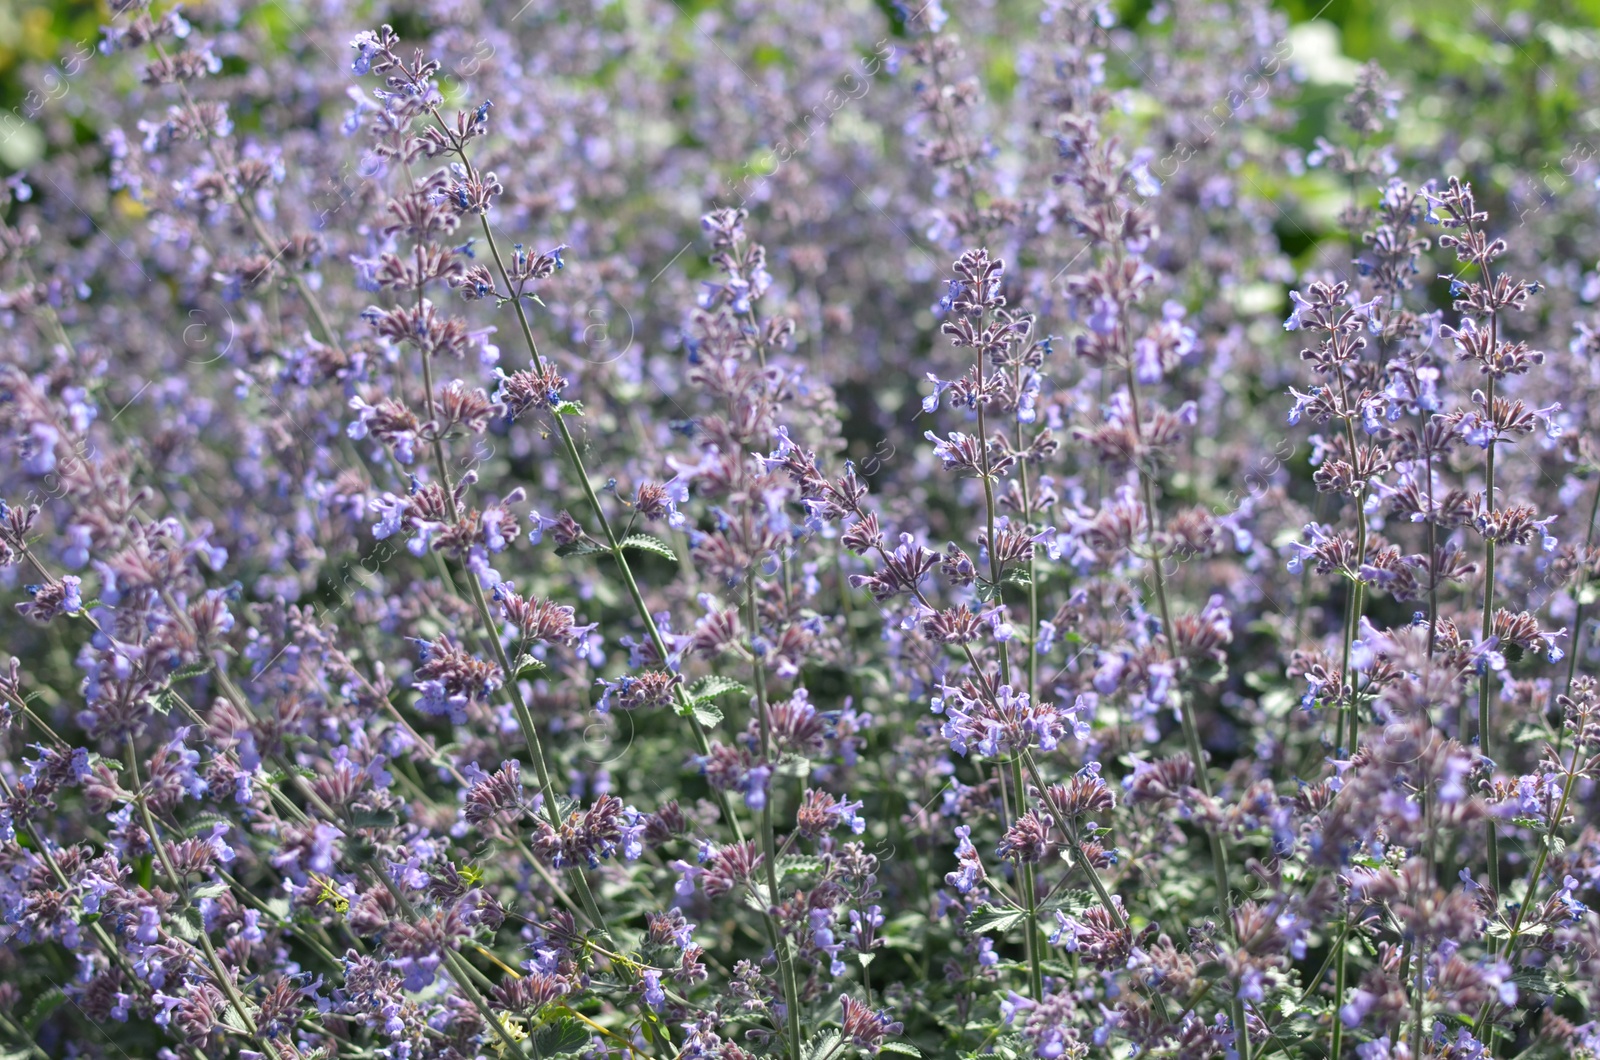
column 1508, row 91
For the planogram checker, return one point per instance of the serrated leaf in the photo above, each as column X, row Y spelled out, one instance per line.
column 1537, row 981
column 987, row 918
column 584, row 547
column 203, row 823
column 208, row 890
column 793, row 766
column 703, row 692
column 42, row 1007
column 568, row 408
column 560, row 1037
column 903, row 1048
column 823, row 1045
column 527, row 666
column 648, row 543
column 374, row 819
column 1070, row 902
column 183, row 673
column 798, row 864
column 1018, row 576
column 187, row 925
column 755, row 896
column 709, row 688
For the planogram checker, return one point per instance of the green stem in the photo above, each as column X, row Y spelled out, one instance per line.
column 1338, row 993
column 1191, row 730
column 1583, row 584
column 218, row 970
column 1030, row 898
column 769, row 845
column 613, row 542
column 1536, row 873
column 1486, row 684
column 1102, row 894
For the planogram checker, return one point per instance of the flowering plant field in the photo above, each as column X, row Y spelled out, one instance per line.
column 637, row 529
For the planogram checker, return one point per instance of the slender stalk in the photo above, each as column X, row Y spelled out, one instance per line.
column 24, row 1039
column 458, row 969
column 1113, row 910
column 613, row 542
column 218, row 969
column 42, row 848
column 1486, row 683
column 1349, row 720
column 1536, row 872
column 1191, row 731
column 1030, row 897
column 491, row 630
column 769, row 846
column 1583, row 585
column 1338, row 995
column 1024, row 869
column 1433, row 544
column 252, row 218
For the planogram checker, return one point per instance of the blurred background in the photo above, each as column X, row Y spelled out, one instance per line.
column 1518, row 78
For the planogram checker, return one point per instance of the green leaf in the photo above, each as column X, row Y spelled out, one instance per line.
column 704, row 691
column 903, row 1048
column 709, row 688
column 527, row 666
column 208, row 890
column 183, row 673
column 755, row 897
column 1018, row 576
column 584, row 547
column 568, row 408
column 823, row 1045
column 187, row 925
column 374, row 819
column 987, row 918
column 798, row 865
column 202, row 823
column 648, row 543
column 562, row 1036
column 1070, row 902
column 796, row 766
column 42, row 1007
column 1537, row 981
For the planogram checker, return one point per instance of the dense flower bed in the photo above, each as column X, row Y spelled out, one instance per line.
column 794, row 531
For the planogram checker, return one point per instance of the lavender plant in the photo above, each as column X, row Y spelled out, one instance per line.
column 790, row 531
